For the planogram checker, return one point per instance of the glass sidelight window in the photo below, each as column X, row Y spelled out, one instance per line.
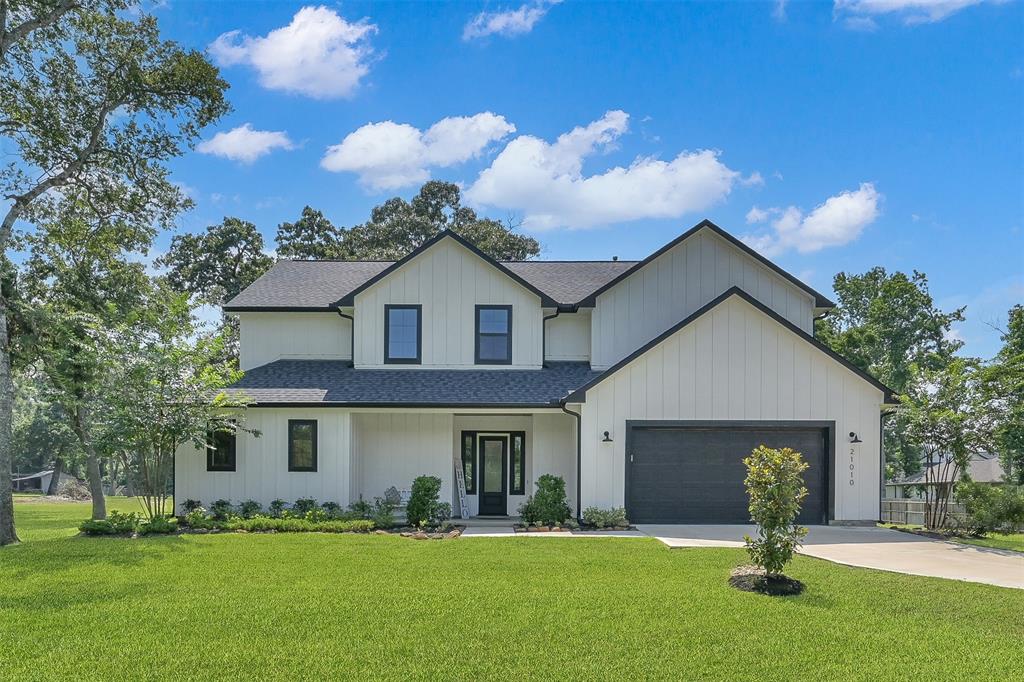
column 469, row 460
column 517, row 464
column 494, row 335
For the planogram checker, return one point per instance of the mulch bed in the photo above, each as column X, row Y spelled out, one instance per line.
column 520, row 528
column 753, row 579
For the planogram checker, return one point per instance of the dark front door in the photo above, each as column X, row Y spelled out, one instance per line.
column 493, row 475
column 695, row 474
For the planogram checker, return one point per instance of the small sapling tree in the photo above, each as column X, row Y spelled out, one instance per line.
column 776, row 488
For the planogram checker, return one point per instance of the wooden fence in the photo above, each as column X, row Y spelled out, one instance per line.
column 913, row 512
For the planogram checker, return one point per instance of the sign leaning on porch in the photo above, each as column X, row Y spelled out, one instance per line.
column 460, row 481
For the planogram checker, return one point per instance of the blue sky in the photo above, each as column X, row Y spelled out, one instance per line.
column 868, row 132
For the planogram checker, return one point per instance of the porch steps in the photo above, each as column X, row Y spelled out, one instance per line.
column 460, row 482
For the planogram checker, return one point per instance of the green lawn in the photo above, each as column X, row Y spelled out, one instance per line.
column 1013, row 541
column 329, row 606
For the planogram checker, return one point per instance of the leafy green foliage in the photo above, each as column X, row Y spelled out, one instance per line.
column 216, row 265
column 304, row 505
column 605, row 518
column 158, row 525
column 277, row 508
column 312, row 237
column 887, row 323
column 190, row 505
column 117, row 523
column 548, row 505
column 221, row 510
column 97, row 527
column 1004, row 385
column 424, row 508
column 776, row 489
column 991, row 508
column 249, row 509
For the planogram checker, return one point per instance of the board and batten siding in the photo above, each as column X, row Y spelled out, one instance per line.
column 266, row 337
column 393, row 448
column 735, row 363
column 568, row 337
column 261, row 463
column 449, row 281
column 678, row 283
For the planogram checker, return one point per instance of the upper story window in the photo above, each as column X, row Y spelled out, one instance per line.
column 220, row 453
column 403, row 334
column 494, row 335
column 302, row 445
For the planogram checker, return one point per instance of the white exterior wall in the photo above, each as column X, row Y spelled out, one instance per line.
column 679, row 282
column 550, row 449
column 393, row 448
column 265, row 337
column 448, row 280
column 568, row 337
column 261, row 464
column 735, row 363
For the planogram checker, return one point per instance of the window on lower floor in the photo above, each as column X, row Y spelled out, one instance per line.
column 517, row 464
column 301, row 445
column 220, row 449
column 469, row 460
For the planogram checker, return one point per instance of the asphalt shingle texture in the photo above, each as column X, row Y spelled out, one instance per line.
column 319, row 284
column 336, row 382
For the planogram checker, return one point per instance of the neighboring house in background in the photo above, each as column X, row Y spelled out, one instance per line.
column 643, row 384
column 39, row 481
column 982, row 468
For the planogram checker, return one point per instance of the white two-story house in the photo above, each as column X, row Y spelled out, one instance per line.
column 643, row 384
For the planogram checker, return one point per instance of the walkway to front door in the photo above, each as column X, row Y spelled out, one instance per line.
column 493, row 475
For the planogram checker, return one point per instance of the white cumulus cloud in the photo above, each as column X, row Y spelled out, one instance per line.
column 839, row 220
column 858, row 13
column 545, row 182
column 319, row 54
column 507, row 23
column 244, row 144
column 389, row 155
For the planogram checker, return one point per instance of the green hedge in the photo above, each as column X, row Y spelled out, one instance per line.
column 264, row 523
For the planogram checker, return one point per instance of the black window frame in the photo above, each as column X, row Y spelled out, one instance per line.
column 477, row 334
column 292, row 423
column 211, row 439
column 513, row 489
column 388, row 307
column 470, row 479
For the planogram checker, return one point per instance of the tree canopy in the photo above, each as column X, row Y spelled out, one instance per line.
column 1004, row 381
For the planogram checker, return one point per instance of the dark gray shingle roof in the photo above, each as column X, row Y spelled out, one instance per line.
column 305, row 284
column 336, row 382
column 319, row 284
column 983, row 468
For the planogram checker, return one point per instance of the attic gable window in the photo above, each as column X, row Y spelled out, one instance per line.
column 494, row 335
column 403, row 334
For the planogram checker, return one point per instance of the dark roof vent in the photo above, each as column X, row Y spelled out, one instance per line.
column 615, row 258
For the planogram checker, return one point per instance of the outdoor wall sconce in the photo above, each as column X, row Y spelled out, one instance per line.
column 607, row 438
column 854, row 438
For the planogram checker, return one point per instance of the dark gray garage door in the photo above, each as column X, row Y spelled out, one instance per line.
column 694, row 474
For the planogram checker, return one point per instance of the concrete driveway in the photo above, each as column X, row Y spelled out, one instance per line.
column 879, row 548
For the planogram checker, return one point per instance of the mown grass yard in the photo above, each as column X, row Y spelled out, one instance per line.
column 234, row 606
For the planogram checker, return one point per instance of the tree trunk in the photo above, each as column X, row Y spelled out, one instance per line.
column 58, row 471
column 7, row 531
column 79, row 422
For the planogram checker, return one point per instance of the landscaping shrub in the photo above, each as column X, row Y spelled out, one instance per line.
column 304, row 505
column 383, row 513
column 266, row 523
column 316, row 516
column 221, row 510
column 548, row 505
column 776, row 488
column 991, row 508
column 360, row 509
column 97, row 527
column 249, row 509
column 198, row 518
column 605, row 518
column 424, row 507
column 189, row 505
column 277, row 508
column 333, row 510
column 124, row 522
column 158, row 525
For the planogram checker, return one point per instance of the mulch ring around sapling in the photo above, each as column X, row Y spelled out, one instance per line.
column 753, row 579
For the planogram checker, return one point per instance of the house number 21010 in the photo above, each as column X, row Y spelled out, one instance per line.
column 853, row 452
